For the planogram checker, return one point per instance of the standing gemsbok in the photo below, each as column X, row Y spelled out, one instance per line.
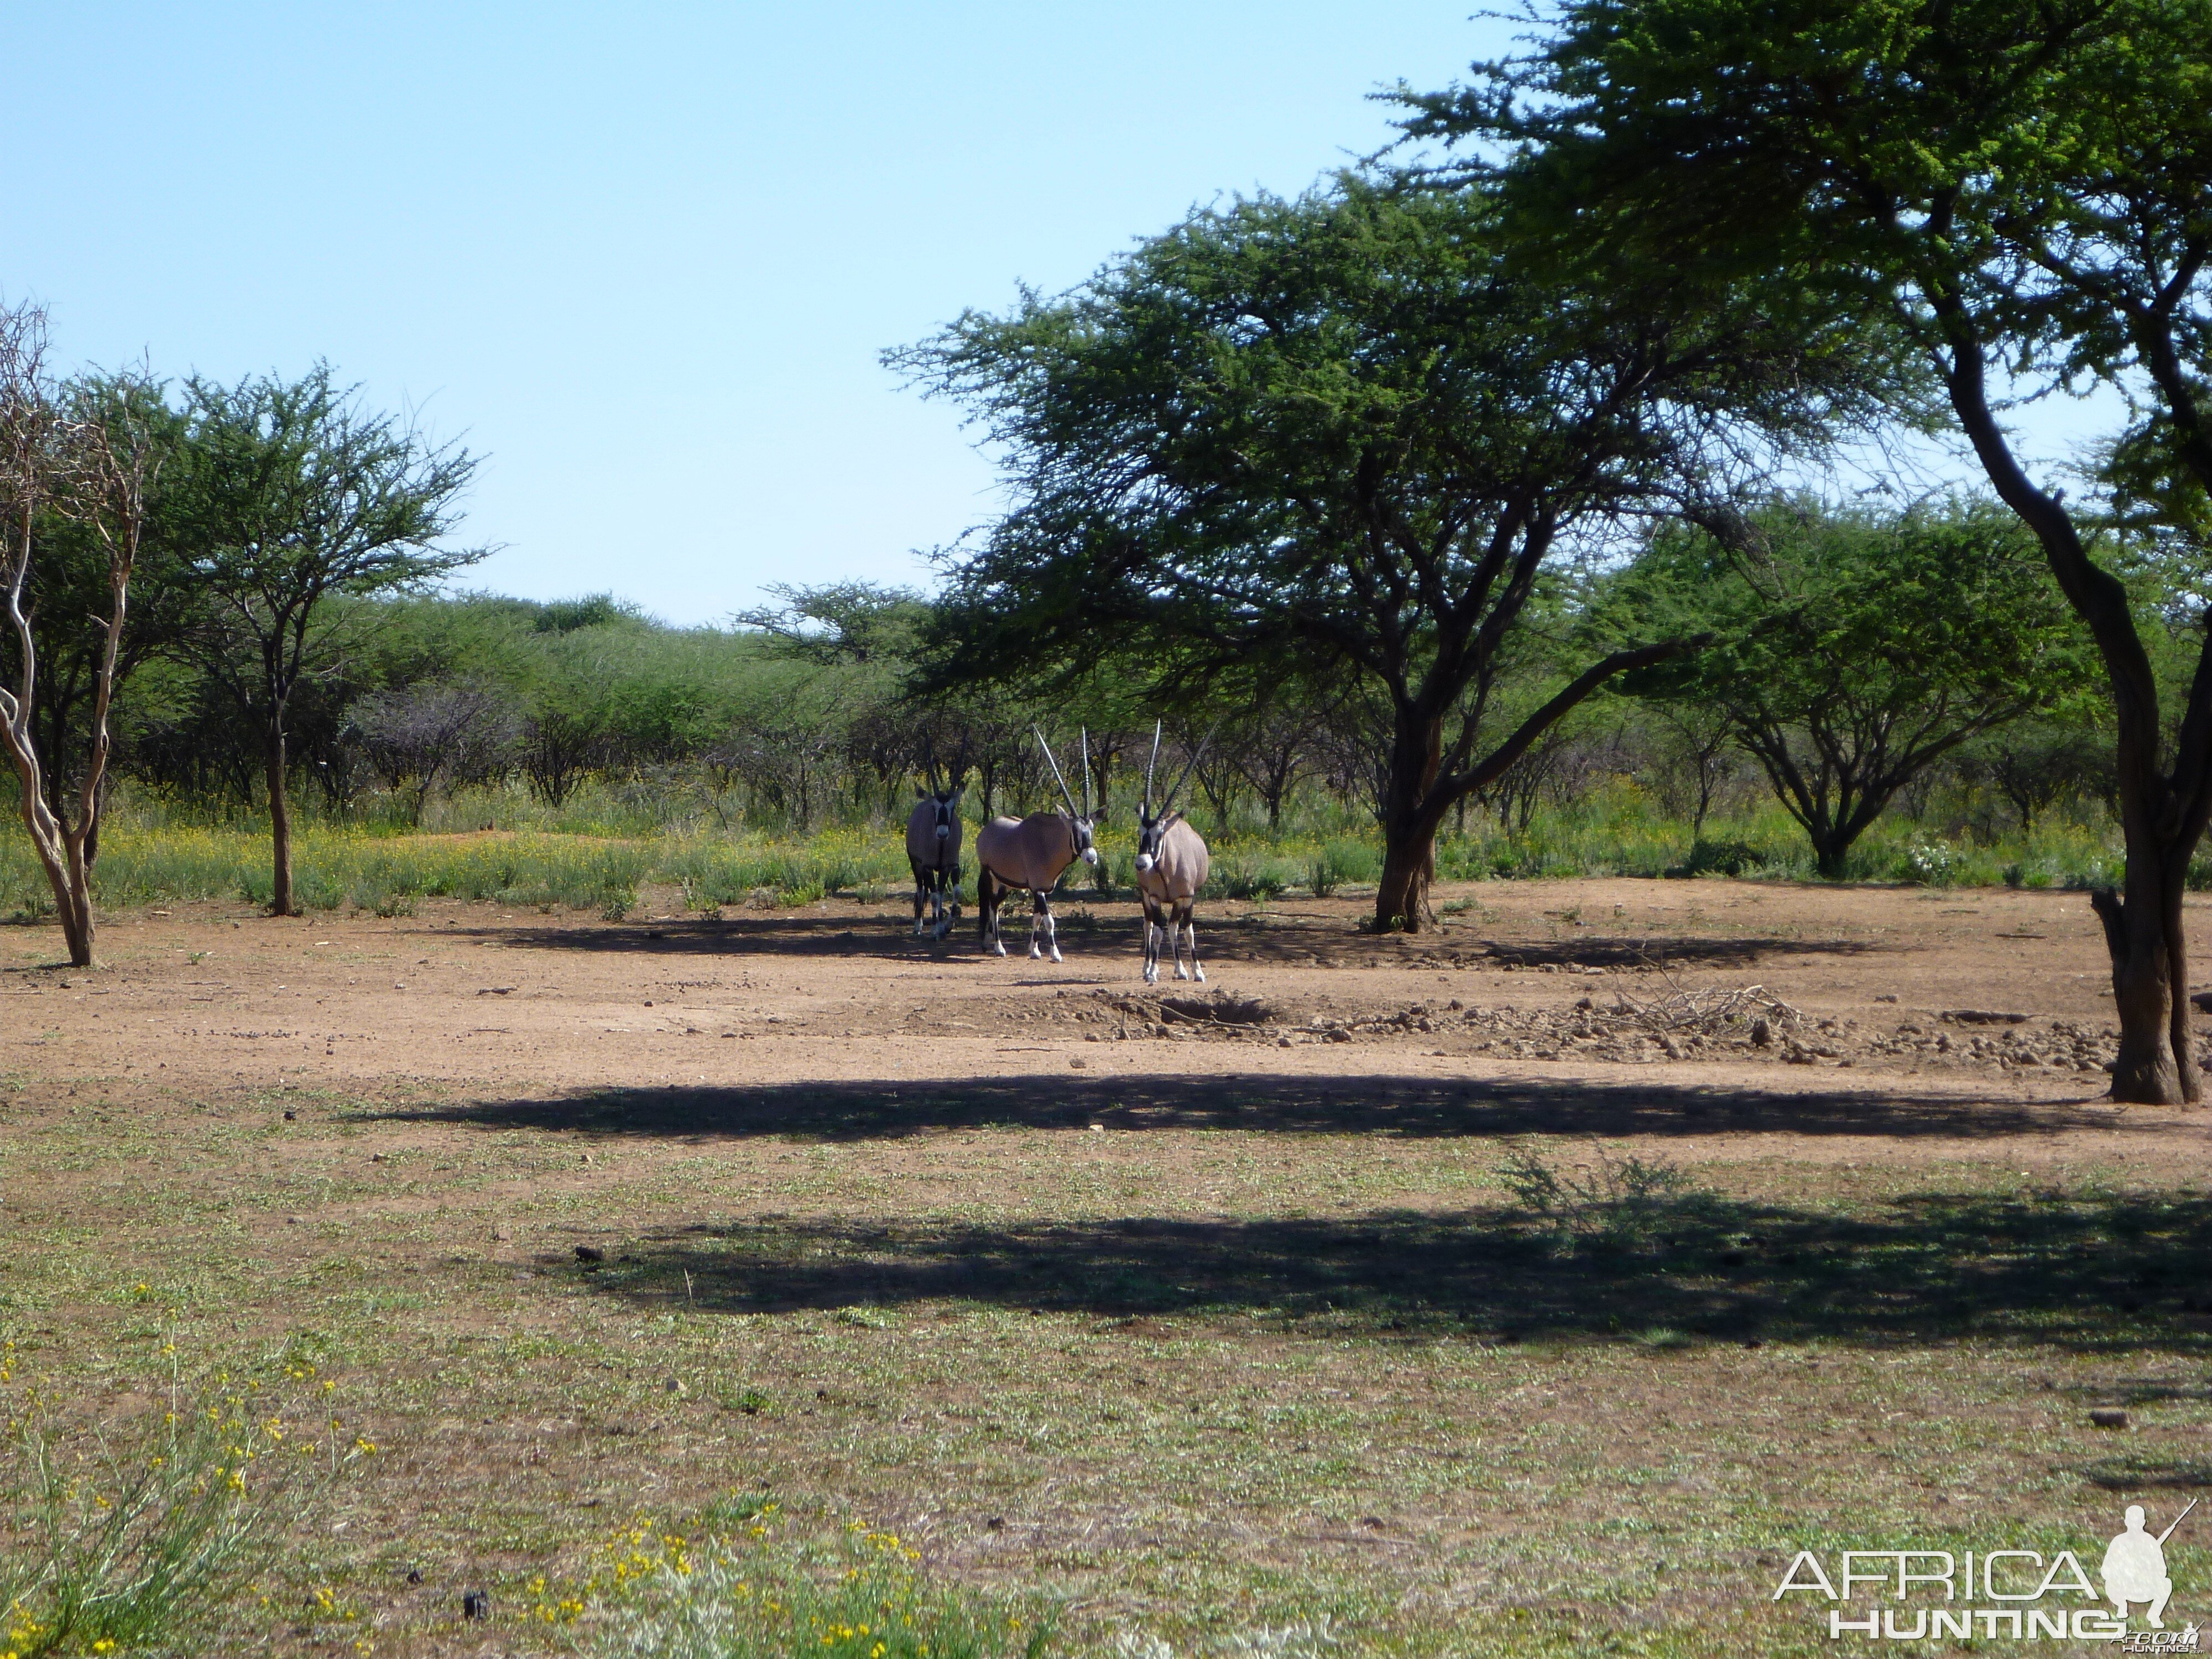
column 1172, row 863
column 933, row 850
column 1031, row 854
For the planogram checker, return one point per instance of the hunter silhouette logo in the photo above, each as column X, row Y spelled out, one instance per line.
column 2134, row 1567
column 2022, row 1593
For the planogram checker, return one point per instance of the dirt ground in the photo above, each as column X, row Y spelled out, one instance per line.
column 1279, row 1343
column 462, row 994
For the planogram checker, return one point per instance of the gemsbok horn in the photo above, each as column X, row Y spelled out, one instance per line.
column 1031, row 854
column 1172, row 864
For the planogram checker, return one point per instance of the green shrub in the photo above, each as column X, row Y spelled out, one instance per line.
column 1340, row 861
column 1248, row 878
column 1608, row 1200
column 1722, row 858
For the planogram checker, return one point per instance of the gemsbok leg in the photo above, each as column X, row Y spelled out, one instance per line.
column 989, row 898
column 1183, row 916
column 1153, row 931
column 1041, row 917
column 948, row 897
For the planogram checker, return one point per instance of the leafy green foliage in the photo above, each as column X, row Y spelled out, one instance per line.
column 1601, row 1199
column 1344, row 437
column 2020, row 192
column 1854, row 650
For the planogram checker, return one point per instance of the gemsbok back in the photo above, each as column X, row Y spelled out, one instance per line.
column 1172, row 864
column 933, row 850
column 1030, row 853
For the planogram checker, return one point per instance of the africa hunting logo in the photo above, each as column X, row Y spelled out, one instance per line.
column 2028, row 1597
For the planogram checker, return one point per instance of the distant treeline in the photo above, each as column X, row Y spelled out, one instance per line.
column 807, row 715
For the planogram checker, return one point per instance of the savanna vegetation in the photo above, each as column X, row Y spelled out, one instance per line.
column 1542, row 500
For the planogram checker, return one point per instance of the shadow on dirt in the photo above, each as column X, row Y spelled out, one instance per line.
column 2095, row 1276
column 1089, row 930
column 1667, row 953
column 1372, row 1104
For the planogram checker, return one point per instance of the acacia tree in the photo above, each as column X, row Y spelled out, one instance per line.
column 1350, row 432
column 120, row 430
column 1274, row 749
column 1856, row 650
column 1695, row 762
column 436, row 732
column 2021, row 188
column 95, row 461
column 294, row 494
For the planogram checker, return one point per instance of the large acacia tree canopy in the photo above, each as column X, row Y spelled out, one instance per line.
column 1711, row 115
column 2035, row 178
column 1344, row 431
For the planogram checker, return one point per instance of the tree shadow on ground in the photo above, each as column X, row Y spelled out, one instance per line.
column 2109, row 1274
column 2134, row 1472
column 1385, row 1104
column 1667, row 953
column 1089, row 935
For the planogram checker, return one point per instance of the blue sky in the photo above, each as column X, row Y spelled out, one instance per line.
column 644, row 258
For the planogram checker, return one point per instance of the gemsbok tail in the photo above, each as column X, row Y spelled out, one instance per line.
column 987, row 896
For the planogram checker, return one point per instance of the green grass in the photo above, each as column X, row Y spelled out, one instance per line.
column 155, row 853
column 749, row 1594
column 1200, row 1384
column 136, row 1534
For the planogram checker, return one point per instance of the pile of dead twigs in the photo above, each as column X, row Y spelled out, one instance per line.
column 1679, row 1009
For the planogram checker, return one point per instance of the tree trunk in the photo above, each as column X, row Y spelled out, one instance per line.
column 1410, row 822
column 72, row 904
column 1830, row 839
column 60, row 857
column 75, row 908
column 2144, row 936
column 2160, row 823
column 1415, row 797
column 280, row 826
column 2150, row 983
column 1409, row 864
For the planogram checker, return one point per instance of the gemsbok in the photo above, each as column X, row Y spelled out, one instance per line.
column 1172, row 864
column 932, row 849
column 1030, row 853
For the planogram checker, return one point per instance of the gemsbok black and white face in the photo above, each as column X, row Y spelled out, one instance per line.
column 1151, row 832
column 945, row 813
column 1086, row 847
